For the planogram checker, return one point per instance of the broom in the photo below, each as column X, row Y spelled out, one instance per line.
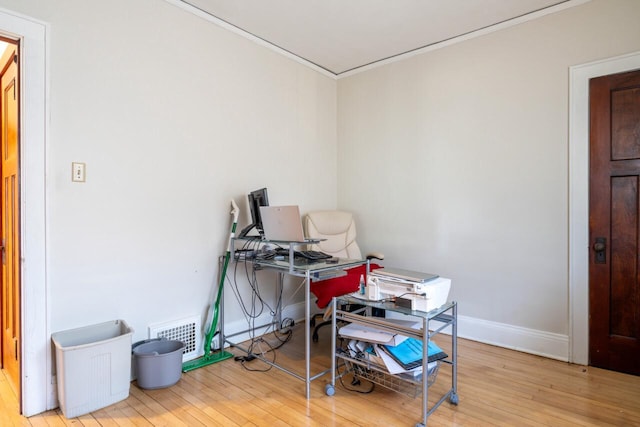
column 210, row 357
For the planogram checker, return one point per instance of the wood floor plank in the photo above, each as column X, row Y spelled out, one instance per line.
column 67, row 422
column 218, row 409
column 124, row 411
column 88, row 420
column 296, row 409
column 153, row 410
column 38, row 420
column 221, row 398
column 9, row 406
column 239, row 401
column 287, row 404
column 179, row 407
column 113, row 415
column 192, row 393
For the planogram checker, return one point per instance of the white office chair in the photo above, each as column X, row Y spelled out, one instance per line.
column 338, row 230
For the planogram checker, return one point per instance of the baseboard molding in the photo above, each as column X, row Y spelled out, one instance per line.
column 547, row 344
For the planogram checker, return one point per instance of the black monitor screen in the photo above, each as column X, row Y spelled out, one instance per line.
column 256, row 198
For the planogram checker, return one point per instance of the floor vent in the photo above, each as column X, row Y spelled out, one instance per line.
column 187, row 330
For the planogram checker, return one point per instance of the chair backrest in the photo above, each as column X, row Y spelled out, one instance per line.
column 339, row 230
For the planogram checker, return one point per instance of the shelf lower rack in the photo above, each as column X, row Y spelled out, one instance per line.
column 406, row 383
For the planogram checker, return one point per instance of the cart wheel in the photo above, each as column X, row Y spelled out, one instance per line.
column 453, row 398
column 329, row 390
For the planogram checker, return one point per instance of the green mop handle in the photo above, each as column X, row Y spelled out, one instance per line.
column 214, row 323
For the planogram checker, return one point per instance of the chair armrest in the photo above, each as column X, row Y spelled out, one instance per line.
column 376, row 255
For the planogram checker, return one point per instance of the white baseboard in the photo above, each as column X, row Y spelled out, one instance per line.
column 547, row 344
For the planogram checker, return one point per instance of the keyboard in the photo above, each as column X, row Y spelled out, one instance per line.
column 310, row 255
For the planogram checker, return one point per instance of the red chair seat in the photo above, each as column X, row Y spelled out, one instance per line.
column 326, row 289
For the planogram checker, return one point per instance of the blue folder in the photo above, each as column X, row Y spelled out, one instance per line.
column 409, row 353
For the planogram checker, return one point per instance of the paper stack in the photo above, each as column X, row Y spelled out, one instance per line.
column 397, row 353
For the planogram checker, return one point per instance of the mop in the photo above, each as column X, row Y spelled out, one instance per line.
column 210, row 357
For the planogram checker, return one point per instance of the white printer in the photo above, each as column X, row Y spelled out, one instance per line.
column 411, row 289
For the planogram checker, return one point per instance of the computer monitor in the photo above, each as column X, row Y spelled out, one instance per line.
column 256, row 198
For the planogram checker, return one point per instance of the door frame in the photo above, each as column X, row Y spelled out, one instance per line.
column 579, row 196
column 37, row 390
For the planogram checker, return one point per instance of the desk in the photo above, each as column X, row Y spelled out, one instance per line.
column 309, row 270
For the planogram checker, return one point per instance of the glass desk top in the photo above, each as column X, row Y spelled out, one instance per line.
column 301, row 266
column 315, row 267
column 391, row 306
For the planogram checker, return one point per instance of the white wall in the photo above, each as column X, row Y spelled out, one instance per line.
column 173, row 117
column 466, row 152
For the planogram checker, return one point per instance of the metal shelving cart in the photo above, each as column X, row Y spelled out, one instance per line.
column 433, row 322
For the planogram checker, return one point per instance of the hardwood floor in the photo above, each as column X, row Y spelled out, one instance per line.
column 496, row 387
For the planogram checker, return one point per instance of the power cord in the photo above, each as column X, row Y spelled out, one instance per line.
column 253, row 308
column 354, row 352
column 355, row 381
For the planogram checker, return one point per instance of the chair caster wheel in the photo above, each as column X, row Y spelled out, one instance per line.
column 329, row 390
column 315, row 337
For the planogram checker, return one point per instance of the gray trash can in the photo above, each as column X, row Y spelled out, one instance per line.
column 158, row 362
column 93, row 365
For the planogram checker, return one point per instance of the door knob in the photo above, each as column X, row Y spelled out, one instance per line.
column 600, row 248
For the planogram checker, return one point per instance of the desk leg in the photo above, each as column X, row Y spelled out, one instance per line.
column 330, row 391
column 425, row 370
column 278, row 296
column 454, row 356
column 307, row 334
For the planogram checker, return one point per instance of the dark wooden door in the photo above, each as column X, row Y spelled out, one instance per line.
column 614, row 222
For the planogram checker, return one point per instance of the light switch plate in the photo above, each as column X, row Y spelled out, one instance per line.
column 78, row 172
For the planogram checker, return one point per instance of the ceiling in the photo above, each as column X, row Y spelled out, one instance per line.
column 345, row 36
